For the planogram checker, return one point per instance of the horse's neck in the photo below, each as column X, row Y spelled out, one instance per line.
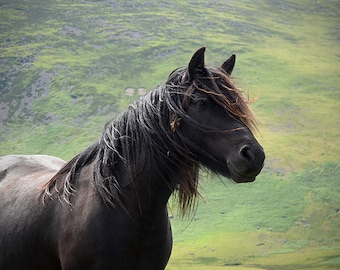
column 150, row 189
column 157, row 167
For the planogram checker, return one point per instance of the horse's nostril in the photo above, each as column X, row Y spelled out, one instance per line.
column 246, row 153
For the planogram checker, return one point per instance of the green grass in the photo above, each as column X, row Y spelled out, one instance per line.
column 251, row 225
column 286, row 57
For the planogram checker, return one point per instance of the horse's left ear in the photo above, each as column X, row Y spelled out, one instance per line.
column 196, row 64
column 229, row 64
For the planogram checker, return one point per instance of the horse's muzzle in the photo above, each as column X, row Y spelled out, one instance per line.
column 247, row 164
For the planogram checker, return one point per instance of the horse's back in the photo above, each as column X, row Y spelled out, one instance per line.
column 24, row 220
column 13, row 166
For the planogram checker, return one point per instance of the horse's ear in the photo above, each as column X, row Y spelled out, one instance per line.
column 229, row 64
column 196, row 64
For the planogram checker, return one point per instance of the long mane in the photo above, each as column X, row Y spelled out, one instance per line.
column 147, row 133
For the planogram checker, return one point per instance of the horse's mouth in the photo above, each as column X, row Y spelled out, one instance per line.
column 238, row 177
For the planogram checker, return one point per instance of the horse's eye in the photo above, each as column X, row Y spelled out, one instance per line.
column 202, row 103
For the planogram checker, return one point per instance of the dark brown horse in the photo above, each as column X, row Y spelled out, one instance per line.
column 107, row 207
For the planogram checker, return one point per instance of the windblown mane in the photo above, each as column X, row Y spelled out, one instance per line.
column 147, row 133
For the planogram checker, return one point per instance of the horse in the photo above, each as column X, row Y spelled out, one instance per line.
column 107, row 207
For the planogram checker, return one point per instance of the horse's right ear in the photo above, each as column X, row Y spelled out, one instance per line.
column 229, row 64
column 196, row 64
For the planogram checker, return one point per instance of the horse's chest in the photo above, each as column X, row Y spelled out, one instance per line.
column 115, row 240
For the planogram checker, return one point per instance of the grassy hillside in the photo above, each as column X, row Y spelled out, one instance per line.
column 290, row 223
column 65, row 65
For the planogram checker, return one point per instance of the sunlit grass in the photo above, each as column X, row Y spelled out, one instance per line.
column 274, row 223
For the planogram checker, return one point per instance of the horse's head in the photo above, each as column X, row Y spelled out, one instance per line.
column 216, row 121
